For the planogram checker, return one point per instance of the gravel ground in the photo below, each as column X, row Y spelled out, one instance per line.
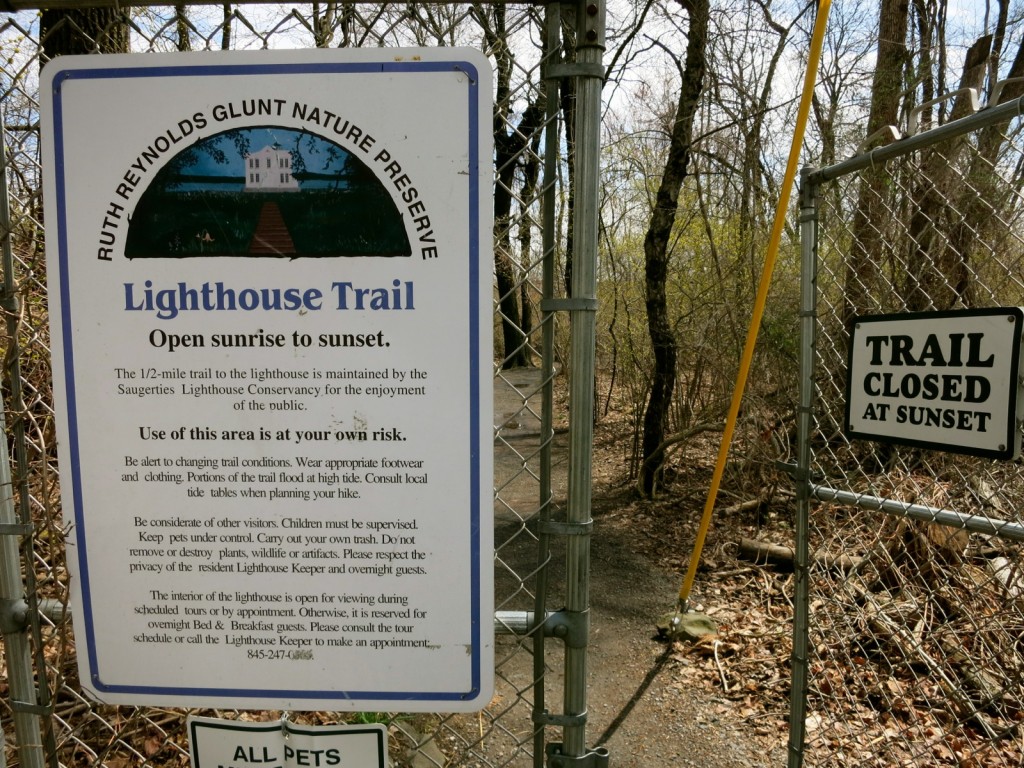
column 650, row 703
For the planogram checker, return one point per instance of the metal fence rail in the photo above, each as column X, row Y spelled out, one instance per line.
column 910, row 605
column 540, row 54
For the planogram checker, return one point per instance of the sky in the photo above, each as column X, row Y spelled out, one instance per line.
column 316, row 154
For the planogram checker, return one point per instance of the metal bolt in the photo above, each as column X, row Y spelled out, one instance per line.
column 592, row 9
column 591, row 35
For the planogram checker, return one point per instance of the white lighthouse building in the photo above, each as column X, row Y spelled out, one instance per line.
column 270, row 170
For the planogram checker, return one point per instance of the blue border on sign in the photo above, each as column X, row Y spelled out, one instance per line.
column 297, row 68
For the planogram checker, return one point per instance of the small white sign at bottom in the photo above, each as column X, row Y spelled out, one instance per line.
column 217, row 743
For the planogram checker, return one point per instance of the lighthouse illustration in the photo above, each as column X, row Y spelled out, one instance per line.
column 267, row 191
column 270, row 170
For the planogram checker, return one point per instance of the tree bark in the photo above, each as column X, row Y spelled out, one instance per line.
column 225, row 31
column 656, row 253
column 508, row 148
column 938, row 272
column 886, row 94
column 531, row 175
column 82, row 30
column 323, row 24
column 983, row 202
column 182, row 28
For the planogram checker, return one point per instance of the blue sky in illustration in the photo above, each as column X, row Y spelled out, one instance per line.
column 219, row 155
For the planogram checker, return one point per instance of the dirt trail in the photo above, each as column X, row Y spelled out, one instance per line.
column 640, row 705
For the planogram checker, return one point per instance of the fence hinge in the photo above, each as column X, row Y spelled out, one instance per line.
column 580, row 69
column 31, row 709
column 798, row 474
column 571, row 627
column 560, row 721
column 568, row 305
column 560, row 528
column 594, row 758
column 13, row 616
column 16, row 529
column 790, row 469
column 9, row 302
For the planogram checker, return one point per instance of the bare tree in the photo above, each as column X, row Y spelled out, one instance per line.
column 842, row 76
column 656, row 250
column 887, row 89
column 511, row 142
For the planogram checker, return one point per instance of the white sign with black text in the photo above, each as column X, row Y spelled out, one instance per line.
column 943, row 380
column 215, row 743
column 270, row 303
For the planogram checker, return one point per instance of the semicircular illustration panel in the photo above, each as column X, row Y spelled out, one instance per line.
column 265, row 191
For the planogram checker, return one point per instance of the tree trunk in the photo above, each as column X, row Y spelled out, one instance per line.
column 531, row 175
column 886, row 92
column 182, row 28
column 508, row 150
column 82, row 30
column 982, row 204
column 323, row 24
column 225, row 31
column 509, row 144
column 938, row 273
column 656, row 253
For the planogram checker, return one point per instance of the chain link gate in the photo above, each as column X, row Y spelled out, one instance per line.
column 909, row 628
column 548, row 73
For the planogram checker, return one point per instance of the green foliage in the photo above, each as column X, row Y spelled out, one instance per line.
column 711, row 288
column 371, row 718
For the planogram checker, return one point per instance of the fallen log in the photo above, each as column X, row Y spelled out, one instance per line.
column 764, row 553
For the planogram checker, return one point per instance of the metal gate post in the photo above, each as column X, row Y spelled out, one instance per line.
column 13, row 608
column 802, row 472
column 12, row 621
column 590, row 38
column 552, row 140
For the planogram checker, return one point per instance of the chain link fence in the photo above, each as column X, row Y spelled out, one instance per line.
column 46, row 720
column 909, row 641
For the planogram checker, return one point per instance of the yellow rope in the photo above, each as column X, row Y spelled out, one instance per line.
column 810, row 77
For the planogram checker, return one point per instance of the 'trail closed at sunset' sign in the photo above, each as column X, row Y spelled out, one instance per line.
column 943, row 380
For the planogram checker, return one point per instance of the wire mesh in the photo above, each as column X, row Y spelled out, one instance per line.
column 83, row 733
column 915, row 650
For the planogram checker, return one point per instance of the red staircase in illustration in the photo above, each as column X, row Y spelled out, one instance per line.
column 271, row 236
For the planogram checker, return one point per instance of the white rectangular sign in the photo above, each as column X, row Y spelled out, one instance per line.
column 943, row 380
column 270, row 304
column 215, row 743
